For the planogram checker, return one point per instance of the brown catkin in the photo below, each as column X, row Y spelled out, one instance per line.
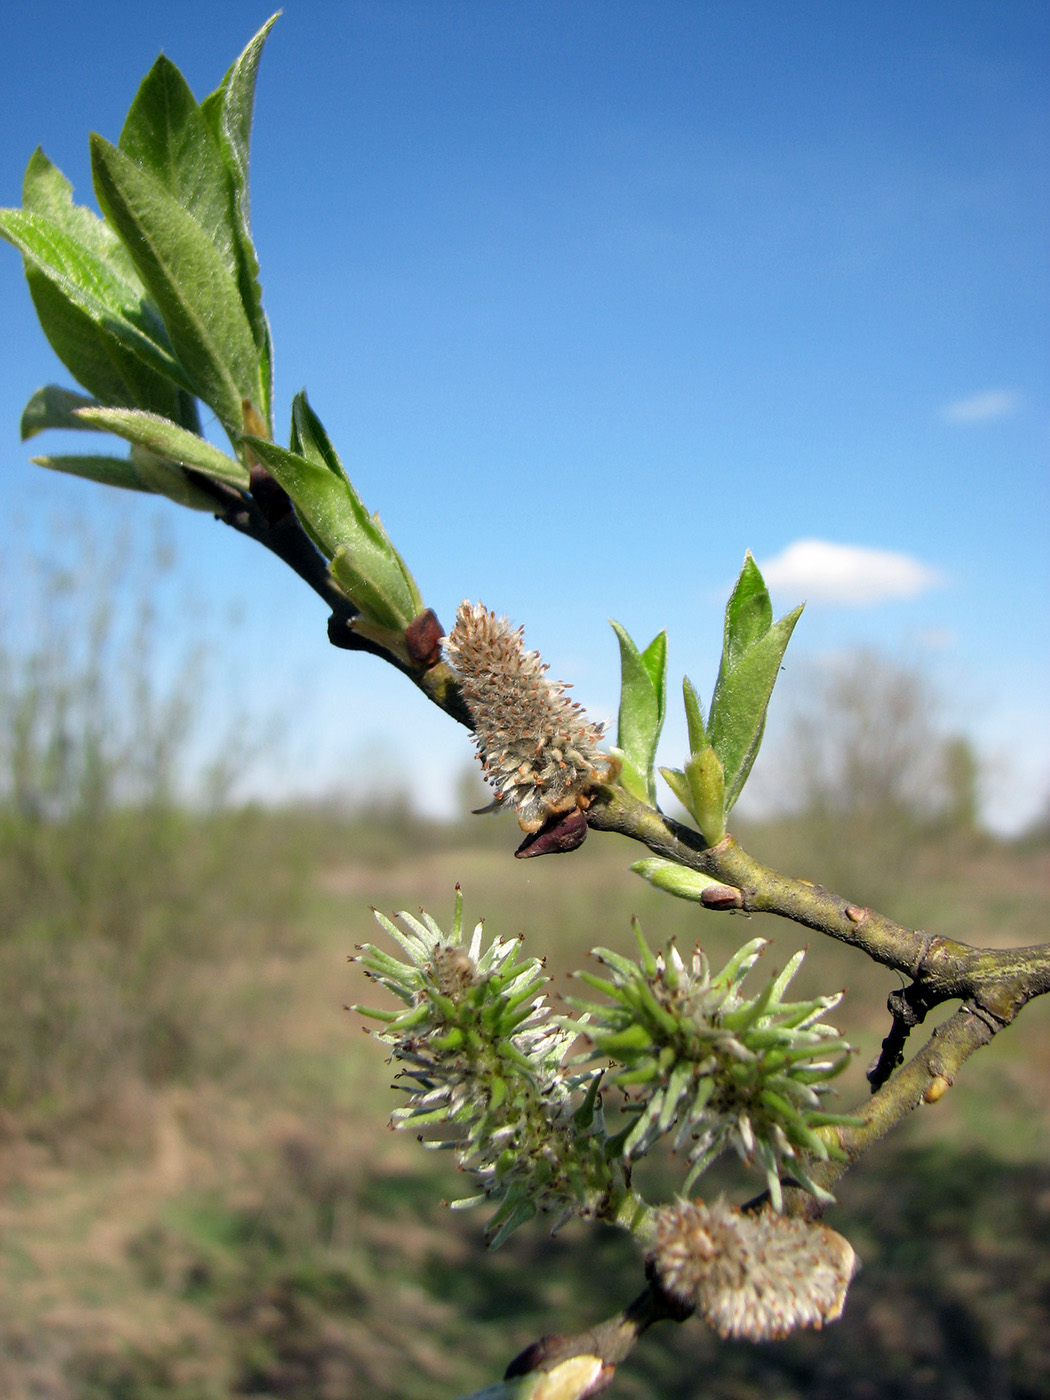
column 539, row 750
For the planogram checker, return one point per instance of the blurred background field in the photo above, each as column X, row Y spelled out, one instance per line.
column 199, row 1194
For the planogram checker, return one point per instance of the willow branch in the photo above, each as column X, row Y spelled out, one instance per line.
column 999, row 980
column 922, row 1081
column 994, row 984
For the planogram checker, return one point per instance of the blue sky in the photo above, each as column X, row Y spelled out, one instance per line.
column 592, row 297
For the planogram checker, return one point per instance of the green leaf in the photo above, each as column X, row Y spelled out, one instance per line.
column 54, row 407
column 167, row 478
column 749, row 613
column 311, row 440
column 643, row 678
column 363, row 562
column 706, row 779
column 373, row 588
column 101, row 361
column 228, row 111
column 109, row 471
column 679, row 785
column 166, row 134
column 694, row 716
column 47, row 192
column 752, row 650
column 167, row 440
column 631, row 776
column 738, row 711
column 140, row 472
column 654, row 658
column 199, row 154
column 675, row 879
column 115, row 329
column 185, row 274
column 96, row 350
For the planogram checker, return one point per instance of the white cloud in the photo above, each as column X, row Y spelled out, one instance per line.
column 847, row 573
column 981, row 408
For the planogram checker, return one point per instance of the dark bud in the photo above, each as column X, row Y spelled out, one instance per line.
column 558, row 835
column 721, row 897
column 423, row 639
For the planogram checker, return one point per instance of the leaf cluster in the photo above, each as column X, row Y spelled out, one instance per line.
column 723, row 747
column 156, row 308
column 157, row 304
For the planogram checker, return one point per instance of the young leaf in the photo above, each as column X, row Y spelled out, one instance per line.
column 654, row 658
column 738, row 710
column 310, row 439
column 198, row 299
column 364, row 562
column 54, row 407
column 166, row 134
column 101, row 362
column 111, row 365
column 167, row 440
column 679, row 785
column 673, row 878
column 47, row 192
column 67, row 277
column 167, row 478
column 749, row 613
column 145, row 473
column 228, row 112
column 108, row 471
column 374, row 588
column 706, row 779
column 694, row 716
column 325, row 503
column 642, row 707
column 631, row 776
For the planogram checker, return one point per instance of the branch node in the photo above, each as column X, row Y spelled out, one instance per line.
column 986, row 1016
column 926, row 948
